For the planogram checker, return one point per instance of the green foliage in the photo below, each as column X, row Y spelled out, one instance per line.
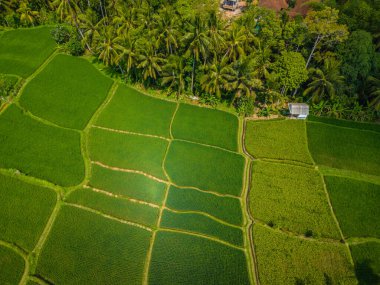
column 132, row 152
column 40, row 150
column 175, row 255
column 283, row 259
column 244, row 106
column 292, row 198
column 12, row 266
column 187, row 199
column 126, row 184
column 115, row 207
column 67, row 92
column 198, row 223
column 84, row 247
column 60, row 34
column 206, row 126
column 7, row 85
column 74, row 46
column 345, row 148
column 278, row 139
column 207, row 168
column 132, row 111
column 24, row 211
column 356, row 206
column 367, row 262
column 19, row 58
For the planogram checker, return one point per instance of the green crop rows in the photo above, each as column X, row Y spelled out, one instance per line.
column 20, row 59
column 367, row 261
column 11, row 266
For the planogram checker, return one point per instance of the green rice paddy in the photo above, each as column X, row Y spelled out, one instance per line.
column 11, row 266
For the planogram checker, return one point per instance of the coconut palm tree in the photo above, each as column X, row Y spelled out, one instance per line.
column 374, row 92
column 167, row 29
column 27, row 15
column 109, row 46
column 150, row 62
column 174, row 72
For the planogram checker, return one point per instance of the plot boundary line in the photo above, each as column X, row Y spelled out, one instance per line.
column 107, row 216
column 129, row 133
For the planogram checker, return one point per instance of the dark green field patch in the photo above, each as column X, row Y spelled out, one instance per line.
column 24, row 211
column 22, row 51
column 127, row 184
column 119, row 208
column 198, row 223
column 206, row 126
column 184, row 259
column 283, row 259
column 345, row 148
column 86, row 248
column 224, row 208
column 128, row 151
column 346, row 123
column 356, row 206
column 11, row 266
column 36, row 149
column 367, row 262
column 207, row 168
column 291, row 198
column 133, row 111
column 278, row 139
column 67, row 92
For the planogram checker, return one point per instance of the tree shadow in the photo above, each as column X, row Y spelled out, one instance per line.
column 365, row 273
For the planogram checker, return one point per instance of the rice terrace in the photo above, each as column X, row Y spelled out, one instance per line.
column 103, row 184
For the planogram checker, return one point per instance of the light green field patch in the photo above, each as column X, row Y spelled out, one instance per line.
column 206, row 126
column 198, row 223
column 24, row 211
column 224, row 208
column 133, row 111
column 19, row 58
column 67, row 92
column 127, row 184
column 183, row 259
column 86, row 248
column 11, row 266
column 115, row 207
column 346, row 148
column 292, row 198
column 39, row 150
column 283, row 259
column 207, row 168
column 367, row 262
column 278, row 139
column 128, row 151
column 356, row 206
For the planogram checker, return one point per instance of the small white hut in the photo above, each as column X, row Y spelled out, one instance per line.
column 299, row 110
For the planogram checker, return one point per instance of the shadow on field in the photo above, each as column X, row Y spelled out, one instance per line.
column 365, row 273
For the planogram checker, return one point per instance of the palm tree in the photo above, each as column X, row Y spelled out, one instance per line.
column 27, row 15
column 129, row 53
column 167, row 29
column 109, row 46
column 374, row 92
column 150, row 62
column 198, row 44
column 325, row 81
column 216, row 31
column 174, row 72
column 218, row 77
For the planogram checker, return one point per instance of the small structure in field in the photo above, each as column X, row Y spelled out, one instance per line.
column 299, row 110
column 230, row 4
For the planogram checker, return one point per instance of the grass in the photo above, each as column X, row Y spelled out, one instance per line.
column 291, row 198
column 224, row 208
column 22, row 51
column 128, row 151
column 67, row 92
column 132, row 111
column 356, row 206
column 119, row 208
column 201, row 224
column 85, row 248
column 367, row 262
column 36, row 149
column 345, row 123
column 283, row 259
column 183, row 259
column 278, row 139
column 206, row 126
column 131, row 185
column 345, row 148
column 207, row 168
column 11, row 266
column 24, row 211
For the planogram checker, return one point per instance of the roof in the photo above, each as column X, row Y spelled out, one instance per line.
column 299, row 108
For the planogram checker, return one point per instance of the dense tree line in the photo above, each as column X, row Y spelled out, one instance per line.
column 258, row 61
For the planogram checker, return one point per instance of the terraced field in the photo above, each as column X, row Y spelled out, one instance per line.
column 101, row 184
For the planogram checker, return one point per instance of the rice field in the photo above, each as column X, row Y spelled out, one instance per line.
column 11, row 266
